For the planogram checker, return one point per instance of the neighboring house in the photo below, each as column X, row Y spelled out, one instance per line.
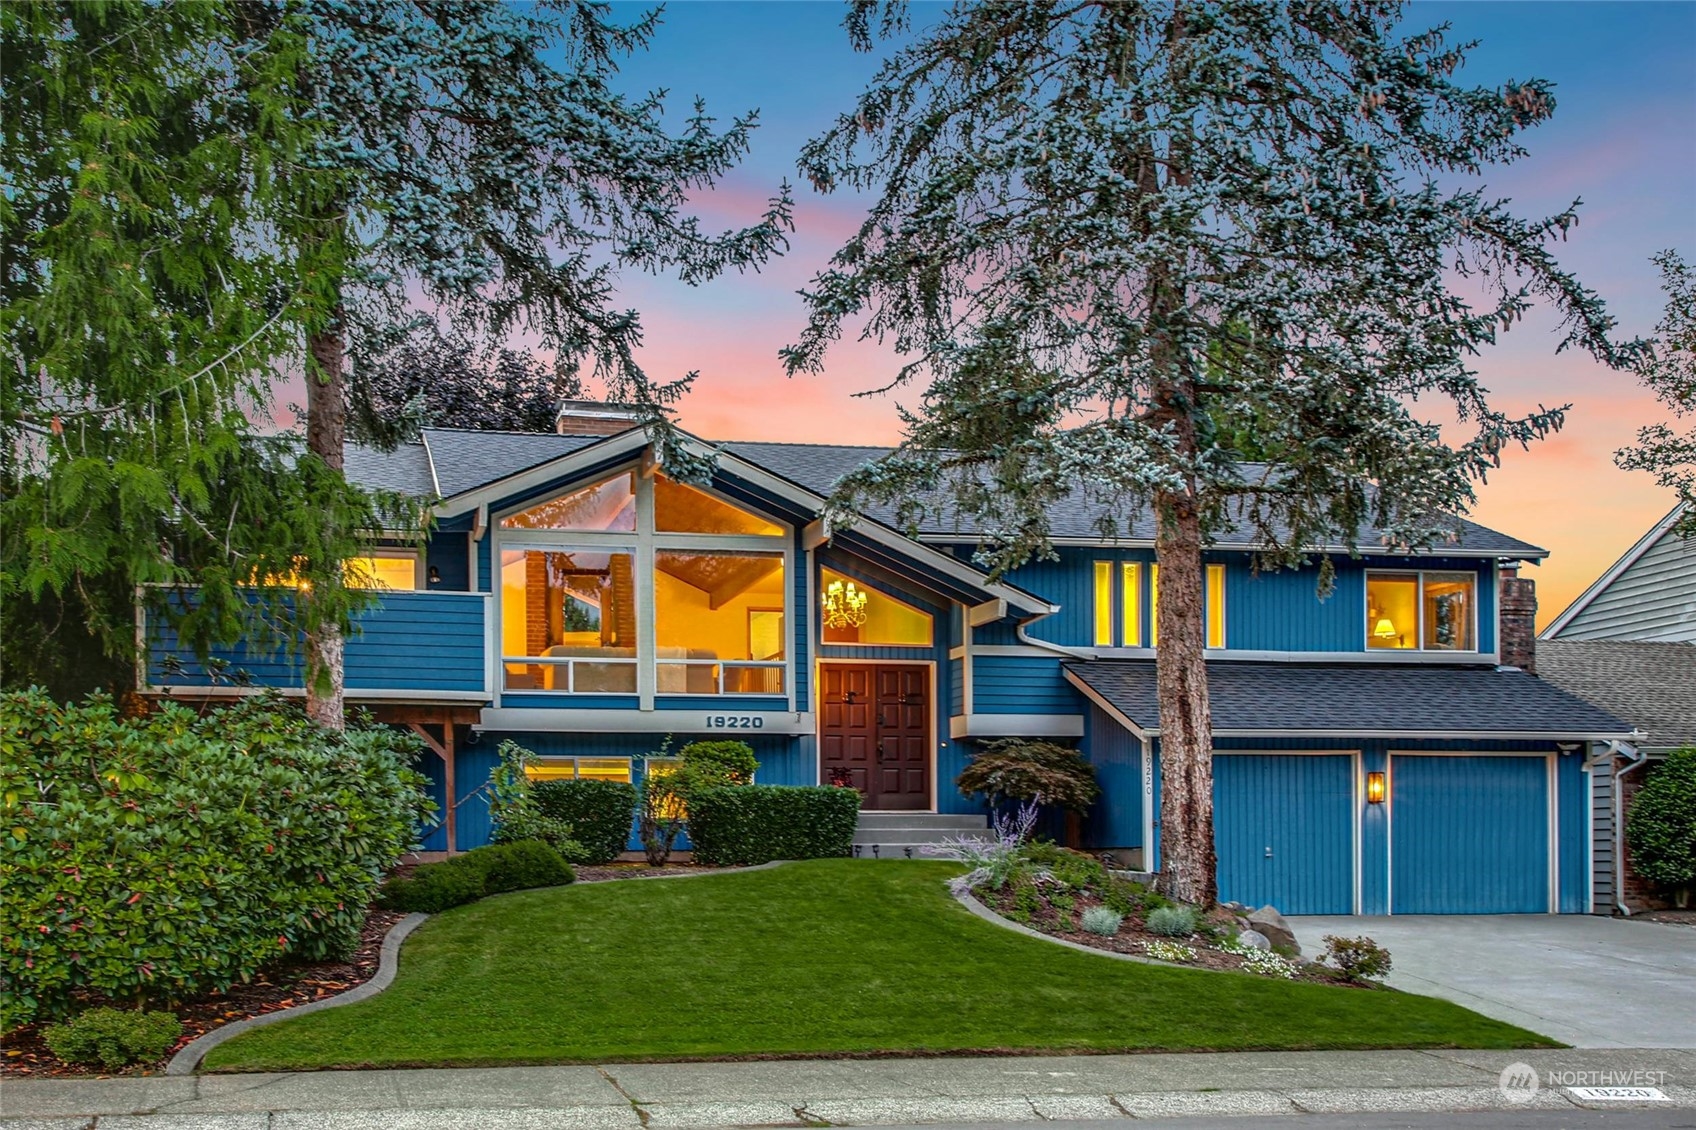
column 1649, row 594
column 1379, row 750
column 1628, row 644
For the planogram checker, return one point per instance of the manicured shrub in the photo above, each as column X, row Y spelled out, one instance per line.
column 113, row 1037
column 600, row 813
column 435, row 887
column 1100, row 920
column 1357, row 958
column 513, row 809
column 150, row 859
column 1023, row 769
column 519, row 867
column 713, row 764
column 751, row 824
column 1661, row 826
column 1172, row 921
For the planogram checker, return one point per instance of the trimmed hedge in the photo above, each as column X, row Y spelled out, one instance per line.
column 748, row 824
column 152, row 859
column 490, row 870
column 113, row 1037
column 600, row 813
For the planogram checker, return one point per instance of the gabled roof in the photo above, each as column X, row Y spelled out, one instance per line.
column 459, row 461
column 1614, row 572
column 1650, row 685
column 1356, row 699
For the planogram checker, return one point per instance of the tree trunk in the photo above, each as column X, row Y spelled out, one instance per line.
column 1187, row 861
column 326, row 427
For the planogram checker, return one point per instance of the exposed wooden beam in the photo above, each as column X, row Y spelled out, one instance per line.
column 812, row 535
column 986, row 613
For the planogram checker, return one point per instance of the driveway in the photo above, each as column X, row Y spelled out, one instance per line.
column 1587, row 981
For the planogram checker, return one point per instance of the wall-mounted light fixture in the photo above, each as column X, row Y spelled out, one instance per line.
column 1375, row 788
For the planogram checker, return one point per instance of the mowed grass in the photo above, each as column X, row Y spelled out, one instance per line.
column 826, row 957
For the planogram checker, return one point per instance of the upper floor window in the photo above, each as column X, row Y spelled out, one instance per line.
column 855, row 613
column 1127, row 597
column 637, row 585
column 1418, row 611
column 387, row 570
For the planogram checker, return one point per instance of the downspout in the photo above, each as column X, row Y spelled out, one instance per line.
column 1640, row 760
column 1059, row 649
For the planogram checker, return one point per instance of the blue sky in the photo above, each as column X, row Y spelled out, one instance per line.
column 1623, row 138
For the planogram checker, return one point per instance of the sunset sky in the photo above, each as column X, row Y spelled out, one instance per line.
column 1623, row 138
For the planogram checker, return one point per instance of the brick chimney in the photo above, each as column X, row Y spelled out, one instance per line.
column 1518, row 597
column 592, row 418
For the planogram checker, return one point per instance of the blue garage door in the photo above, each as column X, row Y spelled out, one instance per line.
column 1469, row 835
column 1283, row 826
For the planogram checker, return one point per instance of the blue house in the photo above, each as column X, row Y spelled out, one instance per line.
column 1377, row 751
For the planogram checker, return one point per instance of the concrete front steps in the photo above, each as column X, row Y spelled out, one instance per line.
column 900, row 835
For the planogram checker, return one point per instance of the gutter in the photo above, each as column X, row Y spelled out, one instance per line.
column 1059, row 649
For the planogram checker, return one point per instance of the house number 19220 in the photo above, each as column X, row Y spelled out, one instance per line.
column 735, row 722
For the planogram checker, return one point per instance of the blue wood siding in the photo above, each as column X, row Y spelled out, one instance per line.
column 1019, row 684
column 1469, row 835
column 1115, row 820
column 1283, row 827
column 956, row 686
column 434, row 838
column 412, row 641
column 449, row 553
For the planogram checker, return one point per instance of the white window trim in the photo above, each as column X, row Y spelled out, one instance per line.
column 643, row 543
column 1419, row 608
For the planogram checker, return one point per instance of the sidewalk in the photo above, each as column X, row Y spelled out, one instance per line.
column 817, row 1092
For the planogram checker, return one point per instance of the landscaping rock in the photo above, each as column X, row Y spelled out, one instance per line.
column 1269, row 922
column 1254, row 939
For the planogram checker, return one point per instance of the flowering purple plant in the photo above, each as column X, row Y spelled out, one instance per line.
column 991, row 859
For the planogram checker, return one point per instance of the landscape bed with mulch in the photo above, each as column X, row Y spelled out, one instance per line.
column 287, row 986
column 283, row 987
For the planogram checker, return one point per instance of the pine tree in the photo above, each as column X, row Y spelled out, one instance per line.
column 1670, row 373
column 1113, row 240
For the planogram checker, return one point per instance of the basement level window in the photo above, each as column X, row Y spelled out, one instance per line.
column 580, row 769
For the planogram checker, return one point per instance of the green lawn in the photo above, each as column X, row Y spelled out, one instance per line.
column 824, row 957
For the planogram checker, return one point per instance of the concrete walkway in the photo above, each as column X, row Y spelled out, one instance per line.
column 839, row 1092
column 1581, row 979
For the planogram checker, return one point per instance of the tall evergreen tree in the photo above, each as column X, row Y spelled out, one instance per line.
column 1670, row 373
column 460, row 162
column 1113, row 239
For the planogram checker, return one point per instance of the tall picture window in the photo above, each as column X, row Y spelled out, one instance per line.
column 1130, row 597
column 1434, row 611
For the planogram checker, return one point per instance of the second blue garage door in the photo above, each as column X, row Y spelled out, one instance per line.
column 1283, row 825
column 1469, row 835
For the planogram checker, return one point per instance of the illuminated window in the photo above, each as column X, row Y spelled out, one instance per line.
column 1215, row 606
column 1104, row 604
column 1154, row 606
column 1421, row 611
column 1130, row 599
column 681, row 509
column 878, row 619
column 579, row 768
column 569, row 617
column 396, row 571
column 718, row 622
column 609, row 507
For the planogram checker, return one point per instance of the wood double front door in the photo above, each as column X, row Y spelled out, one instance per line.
column 876, row 732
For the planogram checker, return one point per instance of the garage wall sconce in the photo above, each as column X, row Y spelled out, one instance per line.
column 1375, row 788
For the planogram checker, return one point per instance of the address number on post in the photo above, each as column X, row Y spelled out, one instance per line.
column 735, row 722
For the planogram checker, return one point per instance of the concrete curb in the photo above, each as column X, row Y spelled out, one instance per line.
column 388, row 964
column 965, row 899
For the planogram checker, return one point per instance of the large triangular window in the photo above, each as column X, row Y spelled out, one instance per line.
column 855, row 613
column 607, row 507
column 681, row 509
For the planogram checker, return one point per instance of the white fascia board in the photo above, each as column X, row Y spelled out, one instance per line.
column 611, row 721
column 1112, row 711
column 188, row 690
column 1600, row 585
column 1368, row 552
column 543, row 473
column 1016, row 725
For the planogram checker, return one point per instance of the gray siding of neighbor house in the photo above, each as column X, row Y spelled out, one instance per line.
column 1653, row 599
column 1602, row 839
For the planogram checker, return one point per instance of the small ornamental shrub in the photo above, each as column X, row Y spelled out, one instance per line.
column 113, row 1037
column 1122, row 897
column 662, row 805
column 152, row 859
column 994, row 860
column 601, row 813
column 749, row 824
column 1073, row 869
column 1026, row 770
column 1661, row 826
column 1357, row 958
column 1100, row 920
column 1172, row 921
column 519, row 866
column 435, row 887
column 1169, row 951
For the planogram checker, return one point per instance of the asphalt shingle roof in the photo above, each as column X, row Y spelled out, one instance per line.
column 466, row 460
column 1650, row 685
column 1359, row 698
